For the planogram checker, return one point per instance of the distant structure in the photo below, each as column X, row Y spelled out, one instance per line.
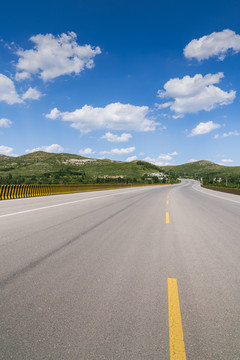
column 158, row 175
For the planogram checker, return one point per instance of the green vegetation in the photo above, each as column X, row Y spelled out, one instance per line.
column 208, row 173
column 226, row 182
column 46, row 168
column 231, row 190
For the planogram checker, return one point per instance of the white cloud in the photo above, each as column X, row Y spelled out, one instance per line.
column 5, row 123
column 31, row 93
column 8, row 92
column 192, row 160
column 122, row 151
column 53, row 56
column 22, row 76
column 215, row 44
column 204, row 128
column 54, row 148
column 162, row 159
column 124, row 137
column 6, row 150
column 131, row 158
column 225, row 161
column 180, row 116
column 165, row 157
column 114, row 116
column 156, row 161
column 54, row 114
column 231, row 133
column 87, row 151
column 164, row 105
column 192, row 94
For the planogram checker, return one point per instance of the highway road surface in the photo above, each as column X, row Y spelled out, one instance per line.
column 139, row 273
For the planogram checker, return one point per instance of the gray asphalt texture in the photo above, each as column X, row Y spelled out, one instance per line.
column 84, row 276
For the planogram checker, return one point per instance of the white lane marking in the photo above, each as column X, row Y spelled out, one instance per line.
column 220, row 197
column 72, row 202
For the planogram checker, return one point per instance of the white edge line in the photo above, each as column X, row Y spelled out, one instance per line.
column 69, row 203
column 219, row 197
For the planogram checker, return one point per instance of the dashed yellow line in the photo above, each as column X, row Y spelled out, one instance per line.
column 167, row 202
column 176, row 340
column 167, row 218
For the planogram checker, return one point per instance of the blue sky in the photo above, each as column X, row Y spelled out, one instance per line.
column 124, row 80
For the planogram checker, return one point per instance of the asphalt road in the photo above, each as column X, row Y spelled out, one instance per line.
column 85, row 276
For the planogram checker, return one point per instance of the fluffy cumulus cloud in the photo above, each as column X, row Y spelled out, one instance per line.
column 32, row 94
column 122, row 151
column 53, row 56
column 215, row 44
column 117, row 138
column 6, row 150
column 8, row 92
column 87, row 151
column 54, row 148
column 204, row 128
column 192, row 94
column 131, row 158
column 54, row 114
column 5, row 123
column 114, row 116
column 162, row 159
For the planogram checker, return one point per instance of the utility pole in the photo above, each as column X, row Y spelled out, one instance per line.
column 226, row 180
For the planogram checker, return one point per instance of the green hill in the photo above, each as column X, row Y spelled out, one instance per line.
column 204, row 169
column 208, row 172
column 69, row 168
column 43, row 167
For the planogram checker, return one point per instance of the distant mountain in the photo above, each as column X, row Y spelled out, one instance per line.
column 202, row 168
column 44, row 167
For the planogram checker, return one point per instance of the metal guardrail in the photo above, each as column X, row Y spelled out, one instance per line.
column 25, row 191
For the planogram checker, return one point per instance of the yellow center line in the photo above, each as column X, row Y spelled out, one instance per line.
column 167, row 217
column 167, row 202
column 176, row 340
